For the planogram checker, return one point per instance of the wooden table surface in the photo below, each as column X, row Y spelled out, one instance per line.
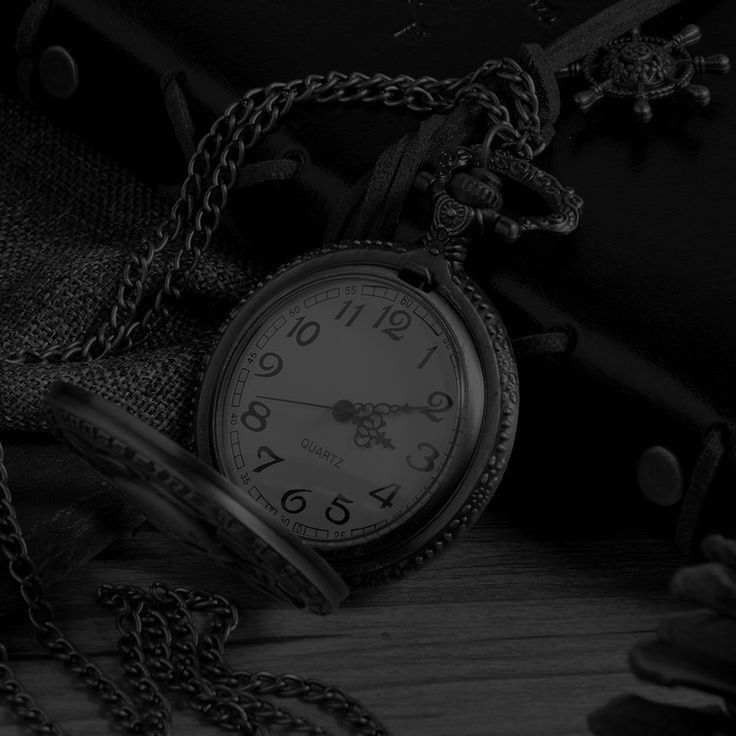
column 520, row 630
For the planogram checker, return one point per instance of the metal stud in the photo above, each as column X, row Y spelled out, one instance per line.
column 58, row 73
column 659, row 476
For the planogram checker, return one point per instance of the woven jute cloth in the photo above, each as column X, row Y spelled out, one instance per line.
column 69, row 218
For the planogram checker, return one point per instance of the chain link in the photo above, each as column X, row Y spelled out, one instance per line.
column 160, row 647
column 212, row 173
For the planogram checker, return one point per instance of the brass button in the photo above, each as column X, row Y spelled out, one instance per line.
column 58, row 72
column 659, row 475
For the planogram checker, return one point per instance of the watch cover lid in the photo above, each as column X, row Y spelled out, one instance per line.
column 189, row 500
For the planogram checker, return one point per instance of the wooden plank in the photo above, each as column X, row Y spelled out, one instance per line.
column 510, row 633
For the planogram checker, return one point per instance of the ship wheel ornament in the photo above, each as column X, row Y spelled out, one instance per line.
column 645, row 68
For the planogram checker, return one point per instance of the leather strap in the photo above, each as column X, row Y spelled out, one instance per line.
column 392, row 178
column 705, row 488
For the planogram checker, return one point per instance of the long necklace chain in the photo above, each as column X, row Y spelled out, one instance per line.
column 160, row 645
column 196, row 214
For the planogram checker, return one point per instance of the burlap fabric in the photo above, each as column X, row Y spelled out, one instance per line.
column 69, row 217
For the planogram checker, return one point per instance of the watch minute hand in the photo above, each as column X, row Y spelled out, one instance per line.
column 367, row 408
column 438, row 403
column 388, row 409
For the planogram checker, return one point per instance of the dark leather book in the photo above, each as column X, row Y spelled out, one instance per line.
column 646, row 400
column 151, row 78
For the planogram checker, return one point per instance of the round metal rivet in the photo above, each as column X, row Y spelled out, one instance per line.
column 58, row 72
column 659, row 475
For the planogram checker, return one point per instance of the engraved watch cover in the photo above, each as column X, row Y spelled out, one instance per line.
column 190, row 501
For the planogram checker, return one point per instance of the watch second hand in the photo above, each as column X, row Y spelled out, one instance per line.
column 294, row 401
column 343, row 410
column 347, row 409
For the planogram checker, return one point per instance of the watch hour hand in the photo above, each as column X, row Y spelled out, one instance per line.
column 369, row 433
column 345, row 411
column 390, row 409
column 369, row 419
column 357, row 411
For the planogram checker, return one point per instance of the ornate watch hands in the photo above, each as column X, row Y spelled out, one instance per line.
column 370, row 421
column 370, row 417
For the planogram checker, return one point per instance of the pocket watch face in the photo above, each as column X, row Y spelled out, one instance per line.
column 348, row 403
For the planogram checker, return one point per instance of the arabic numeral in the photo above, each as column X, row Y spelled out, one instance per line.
column 439, row 403
column 398, row 319
column 264, row 450
column 256, row 417
column 429, row 353
column 293, row 501
column 385, row 494
column 354, row 314
column 270, row 365
column 337, row 512
column 305, row 333
column 425, row 462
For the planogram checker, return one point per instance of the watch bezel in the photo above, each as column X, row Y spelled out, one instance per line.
column 442, row 518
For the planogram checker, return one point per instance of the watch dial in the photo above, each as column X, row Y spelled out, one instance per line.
column 348, row 405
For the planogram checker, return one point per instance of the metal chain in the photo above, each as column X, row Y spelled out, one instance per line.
column 160, row 647
column 196, row 214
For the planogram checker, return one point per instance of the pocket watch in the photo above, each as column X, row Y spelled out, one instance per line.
column 366, row 397
column 360, row 406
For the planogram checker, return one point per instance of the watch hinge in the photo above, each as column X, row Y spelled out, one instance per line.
column 420, row 277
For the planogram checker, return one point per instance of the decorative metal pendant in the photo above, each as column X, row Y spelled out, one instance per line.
column 467, row 184
column 645, row 68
